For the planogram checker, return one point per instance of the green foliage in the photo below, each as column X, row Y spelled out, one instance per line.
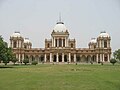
column 113, row 61
column 116, row 54
column 34, row 62
column 14, row 60
column 5, row 53
column 25, row 61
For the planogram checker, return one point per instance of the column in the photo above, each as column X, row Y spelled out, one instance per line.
column 62, row 42
column 57, row 42
column 19, row 58
column 45, row 58
column 97, row 57
column 100, row 43
column 57, row 57
column 22, row 56
column 103, row 57
column 74, row 57
column 54, row 41
column 62, row 57
column 17, row 44
column 50, row 57
column 108, row 58
column 69, row 57
column 100, row 57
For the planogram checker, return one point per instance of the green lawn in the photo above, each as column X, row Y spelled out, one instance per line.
column 60, row 77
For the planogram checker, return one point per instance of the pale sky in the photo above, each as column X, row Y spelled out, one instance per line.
column 85, row 19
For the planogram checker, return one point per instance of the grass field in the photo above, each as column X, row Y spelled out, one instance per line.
column 60, row 77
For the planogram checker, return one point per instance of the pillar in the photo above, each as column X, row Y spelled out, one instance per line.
column 100, row 57
column 62, row 42
column 69, row 57
column 74, row 57
column 103, row 57
column 97, row 57
column 19, row 57
column 22, row 56
column 45, row 57
column 62, row 57
column 50, row 57
column 57, row 57
column 57, row 42
column 108, row 57
column 100, row 43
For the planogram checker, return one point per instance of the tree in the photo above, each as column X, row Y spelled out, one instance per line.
column 14, row 60
column 113, row 61
column 6, row 53
column 25, row 61
column 116, row 54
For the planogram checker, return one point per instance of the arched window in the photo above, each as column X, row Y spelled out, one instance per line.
column 14, row 44
column 71, row 45
column 105, row 44
column 60, row 42
column 63, row 42
column 48, row 45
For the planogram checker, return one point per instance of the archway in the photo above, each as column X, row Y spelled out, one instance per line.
column 83, row 58
column 54, row 58
column 88, row 59
column 65, row 58
column 60, row 58
column 78, row 58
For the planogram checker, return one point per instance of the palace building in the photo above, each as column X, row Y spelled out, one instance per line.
column 60, row 48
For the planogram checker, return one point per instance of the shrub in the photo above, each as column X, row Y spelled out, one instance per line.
column 34, row 62
column 25, row 61
column 113, row 61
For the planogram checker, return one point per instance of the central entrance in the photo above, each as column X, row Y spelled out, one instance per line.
column 60, row 58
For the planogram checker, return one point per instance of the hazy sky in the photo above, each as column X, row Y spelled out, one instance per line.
column 85, row 19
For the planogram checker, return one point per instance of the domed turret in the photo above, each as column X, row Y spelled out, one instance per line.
column 26, row 40
column 60, row 27
column 16, row 40
column 93, row 40
column 92, row 44
column 27, row 43
column 16, row 34
column 104, row 34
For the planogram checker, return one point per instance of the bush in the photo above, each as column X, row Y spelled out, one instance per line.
column 113, row 61
column 34, row 62
column 25, row 61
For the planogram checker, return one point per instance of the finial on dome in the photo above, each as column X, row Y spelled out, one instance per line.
column 59, row 17
column 60, row 21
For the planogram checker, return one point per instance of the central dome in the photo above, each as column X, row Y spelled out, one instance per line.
column 60, row 27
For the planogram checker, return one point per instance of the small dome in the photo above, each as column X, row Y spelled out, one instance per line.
column 93, row 40
column 104, row 34
column 16, row 34
column 60, row 27
column 26, row 40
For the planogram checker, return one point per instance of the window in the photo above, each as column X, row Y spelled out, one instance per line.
column 63, row 42
column 48, row 45
column 105, row 44
column 55, row 42
column 71, row 45
column 14, row 44
column 60, row 42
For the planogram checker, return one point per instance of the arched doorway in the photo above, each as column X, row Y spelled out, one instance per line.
column 54, row 58
column 60, row 58
column 88, row 59
column 78, row 58
column 83, row 58
column 65, row 58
